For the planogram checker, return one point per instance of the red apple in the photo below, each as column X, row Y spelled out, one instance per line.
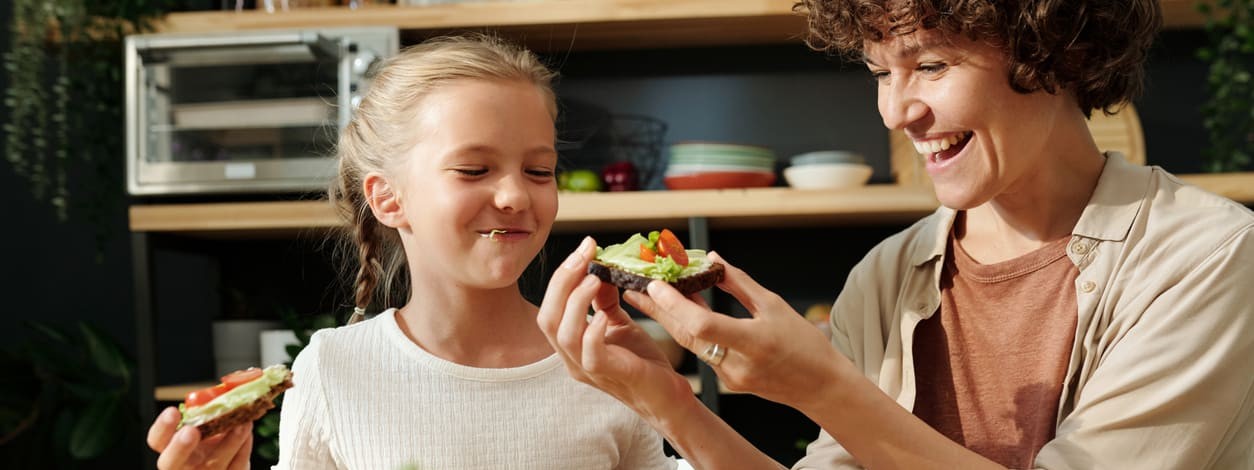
column 620, row 176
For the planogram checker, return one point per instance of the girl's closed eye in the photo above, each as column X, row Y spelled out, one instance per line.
column 540, row 172
column 470, row 171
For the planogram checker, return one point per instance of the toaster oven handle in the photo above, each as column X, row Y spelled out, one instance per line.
column 197, row 42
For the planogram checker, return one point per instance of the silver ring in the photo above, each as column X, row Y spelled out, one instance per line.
column 714, row 354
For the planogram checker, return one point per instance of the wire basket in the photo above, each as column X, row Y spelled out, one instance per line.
column 639, row 139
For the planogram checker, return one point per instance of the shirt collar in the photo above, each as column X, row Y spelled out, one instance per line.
column 1116, row 201
column 1108, row 216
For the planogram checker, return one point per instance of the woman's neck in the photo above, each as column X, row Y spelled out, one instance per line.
column 481, row 328
column 1043, row 206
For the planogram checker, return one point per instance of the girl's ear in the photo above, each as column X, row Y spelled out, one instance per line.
column 384, row 201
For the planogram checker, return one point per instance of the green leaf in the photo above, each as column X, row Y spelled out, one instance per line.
column 47, row 331
column 293, row 350
column 106, row 355
column 96, row 429
column 323, row 321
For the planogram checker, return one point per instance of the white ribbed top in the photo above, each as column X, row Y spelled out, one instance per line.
column 366, row 397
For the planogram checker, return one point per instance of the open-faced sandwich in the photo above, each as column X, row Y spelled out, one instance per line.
column 639, row 260
column 243, row 396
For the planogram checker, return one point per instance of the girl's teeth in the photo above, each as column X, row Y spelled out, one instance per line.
column 938, row 145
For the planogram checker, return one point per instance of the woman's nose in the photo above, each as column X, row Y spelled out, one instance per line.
column 900, row 106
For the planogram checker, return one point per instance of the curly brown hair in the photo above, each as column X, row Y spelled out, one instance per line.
column 1094, row 48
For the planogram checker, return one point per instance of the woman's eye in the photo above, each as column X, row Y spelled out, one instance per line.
column 879, row 75
column 935, row 67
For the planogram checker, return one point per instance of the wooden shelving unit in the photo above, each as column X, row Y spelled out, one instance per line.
column 581, row 212
column 570, row 24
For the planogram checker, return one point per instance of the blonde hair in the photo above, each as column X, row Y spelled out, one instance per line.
column 380, row 132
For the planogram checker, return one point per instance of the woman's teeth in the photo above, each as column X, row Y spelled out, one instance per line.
column 928, row 147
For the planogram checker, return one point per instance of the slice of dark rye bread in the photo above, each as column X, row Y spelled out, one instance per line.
column 246, row 413
column 629, row 280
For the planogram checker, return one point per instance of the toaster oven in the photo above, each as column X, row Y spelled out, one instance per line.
column 243, row 111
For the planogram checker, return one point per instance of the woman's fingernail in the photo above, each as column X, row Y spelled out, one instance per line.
column 170, row 415
column 588, row 281
column 575, row 260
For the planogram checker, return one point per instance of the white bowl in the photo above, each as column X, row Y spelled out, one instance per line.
column 827, row 156
column 827, row 175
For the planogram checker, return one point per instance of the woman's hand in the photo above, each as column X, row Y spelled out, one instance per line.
column 184, row 449
column 609, row 352
column 776, row 354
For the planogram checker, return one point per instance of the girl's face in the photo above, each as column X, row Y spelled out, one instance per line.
column 479, row 192
column 952, row 97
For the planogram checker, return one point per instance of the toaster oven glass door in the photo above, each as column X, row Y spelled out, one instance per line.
column 244, row 114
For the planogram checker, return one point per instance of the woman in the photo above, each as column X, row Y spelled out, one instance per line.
column 1062, row 309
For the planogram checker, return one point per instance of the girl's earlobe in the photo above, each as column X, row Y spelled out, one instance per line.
column 384, row 201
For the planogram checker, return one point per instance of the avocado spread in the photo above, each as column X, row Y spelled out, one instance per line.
column 626, row 256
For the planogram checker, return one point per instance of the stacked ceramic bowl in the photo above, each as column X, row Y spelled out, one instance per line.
column 829, row 169
column 709, row 165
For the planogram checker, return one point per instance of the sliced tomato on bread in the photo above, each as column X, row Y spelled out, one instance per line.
column 668, row 245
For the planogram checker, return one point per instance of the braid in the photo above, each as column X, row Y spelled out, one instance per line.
column 366, row 234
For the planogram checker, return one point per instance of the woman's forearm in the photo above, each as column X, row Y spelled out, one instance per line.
column 708, row 442
column 881, row 434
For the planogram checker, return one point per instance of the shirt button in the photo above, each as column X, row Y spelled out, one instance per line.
column 1080, row 247
column 1087, row 286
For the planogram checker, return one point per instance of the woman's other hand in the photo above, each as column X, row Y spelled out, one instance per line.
column 609, row 351
column 184, row 449
column 775, row 354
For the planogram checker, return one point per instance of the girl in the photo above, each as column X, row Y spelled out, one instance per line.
column 447, row 183
column 1063, row 309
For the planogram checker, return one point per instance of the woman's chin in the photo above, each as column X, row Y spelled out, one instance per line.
column 957, row 199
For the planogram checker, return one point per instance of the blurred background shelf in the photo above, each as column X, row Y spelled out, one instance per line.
column 578, row 211
column 582, row 212
column 570, row 24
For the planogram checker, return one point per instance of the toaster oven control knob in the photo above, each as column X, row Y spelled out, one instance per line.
column 362, row 62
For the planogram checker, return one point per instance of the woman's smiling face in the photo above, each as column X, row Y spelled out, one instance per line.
column 479, row 190
column 978, row 137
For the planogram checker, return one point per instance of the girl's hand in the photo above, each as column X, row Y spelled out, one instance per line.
column 183, row 448
column 609, row 352
column 776, row 354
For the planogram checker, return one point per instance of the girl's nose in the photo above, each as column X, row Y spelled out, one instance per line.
column 511, row 194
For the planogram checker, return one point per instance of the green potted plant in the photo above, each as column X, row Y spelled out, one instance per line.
column 1228, row 113
column 65, row 398
column 266, row 430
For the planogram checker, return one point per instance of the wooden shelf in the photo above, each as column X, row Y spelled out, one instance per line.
column 579, row 212
column 541, row 24
column 585, row 212
column 170, row 393
column 569, row 24
column 178, row 392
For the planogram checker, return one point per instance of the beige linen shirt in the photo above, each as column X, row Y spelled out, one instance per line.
column 1162, row 367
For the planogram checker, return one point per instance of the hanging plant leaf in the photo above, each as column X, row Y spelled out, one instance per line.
column 94, row 431
column 107, row 356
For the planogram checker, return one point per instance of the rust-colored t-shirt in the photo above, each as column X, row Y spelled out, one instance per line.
column 991, row 362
